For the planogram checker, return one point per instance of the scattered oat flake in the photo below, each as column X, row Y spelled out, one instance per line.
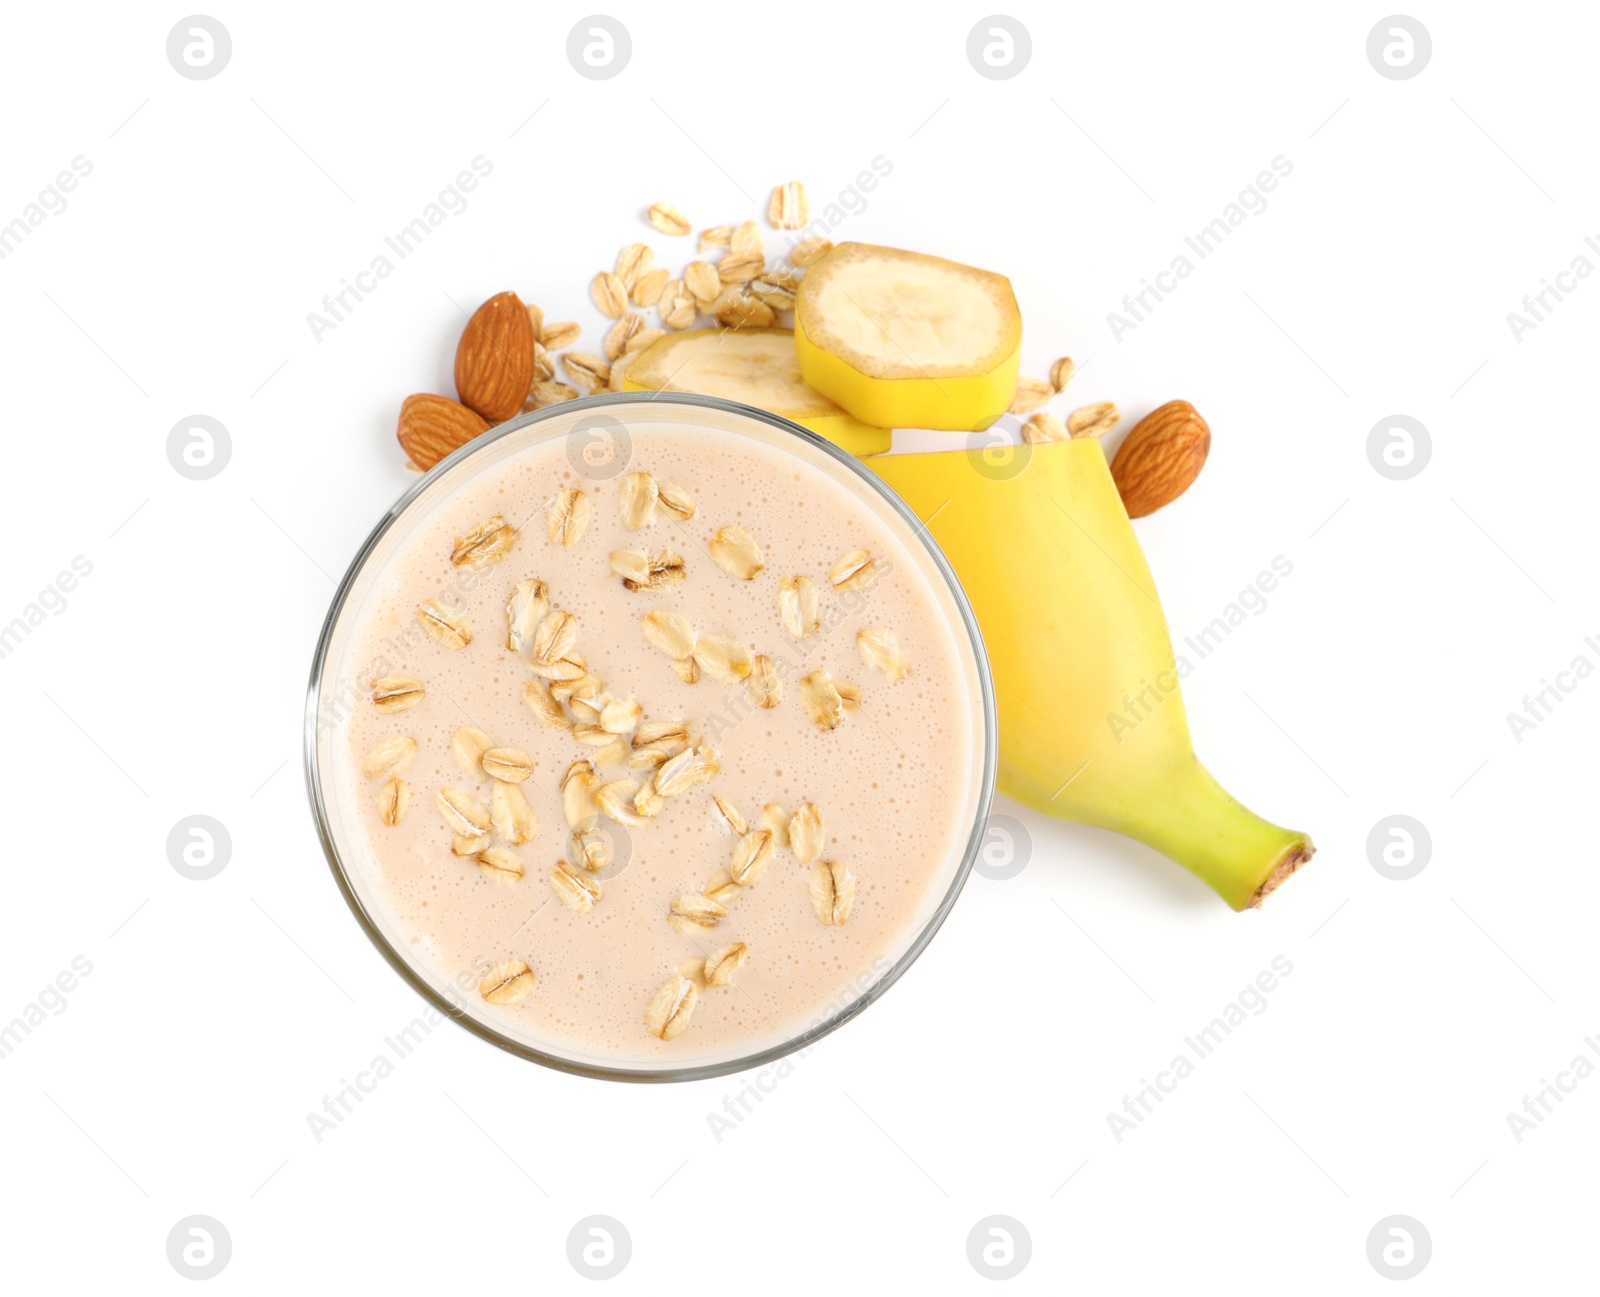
column 507, row 982
column 391, row 757
column 634, row 260
column 772, row 295
column 669, row 632
column 833, row 892
column 737, row 552
column 619, row 334
column 574, row 888
column 739, row 267
column 556, row 637
column 567, row 515
column 701, row 279
column 544, row 394
column 636, row 500
column 790, row 208
column 718, row 236
column 666, row 570
column 724, row 660
column 578, row 788
column 675, row 500
column 510, row 815
column 616, row 802
column 690, row 767
column 722, row 889
column 668, row 219
column 744, row 312
column 396, row 693
column 591, row 373
column 881, row 651
column 1093, row 420
column 525, row 609
column 500, row 865
column 561, row 334
column 824, row 705
column 667, row 1014
column 536, row 693
column 487, row 543
column 1043, row 427
column 720, row 965
column 446, row 625
column 747, row 237
column 725, row 816
column 766, row 685
column 647, row 292
column 608, row 294
column 632, row 565
column 806, row 834
column 620, row 715
column 1061, row 373
column 468, row 746
column 854, row 571
column 776, row 821
column 589, row 850
column 1031, row 394
column 691, row 914
column 797, row 605
column 508, row 765
column 688, row 670
column 567, row 668
column 677, row 306
column 654, row 742
column 751, row 856
column 464, row 813
column 393, row 801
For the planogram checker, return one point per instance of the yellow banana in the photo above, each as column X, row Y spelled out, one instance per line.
column 756, row 367
column 903, row 340
column 1075, row 633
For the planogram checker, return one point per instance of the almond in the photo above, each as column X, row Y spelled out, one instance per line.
column 431, row 427
column 1159, row 460
column 495, row 360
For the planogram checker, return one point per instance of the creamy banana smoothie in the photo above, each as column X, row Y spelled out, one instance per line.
column 662, row 761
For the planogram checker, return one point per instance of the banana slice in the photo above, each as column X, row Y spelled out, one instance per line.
column 901, row 340
column 754, row 367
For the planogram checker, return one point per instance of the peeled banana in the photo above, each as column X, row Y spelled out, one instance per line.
column 754, row 367
column 903, row 340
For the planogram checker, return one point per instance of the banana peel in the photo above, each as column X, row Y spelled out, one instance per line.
column 1092, row 722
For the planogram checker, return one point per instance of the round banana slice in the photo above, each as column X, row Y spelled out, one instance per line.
column 754, row 367
column 901, row 340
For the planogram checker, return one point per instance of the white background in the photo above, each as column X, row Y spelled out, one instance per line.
column 1419, row 1013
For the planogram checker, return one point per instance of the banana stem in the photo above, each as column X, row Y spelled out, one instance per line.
column 1198, row 823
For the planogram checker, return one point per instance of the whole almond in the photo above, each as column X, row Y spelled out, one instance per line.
column 433, row 426
column 495, row 360
column 1159, row 460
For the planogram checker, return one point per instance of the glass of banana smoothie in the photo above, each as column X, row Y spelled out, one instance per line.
column 650, row 737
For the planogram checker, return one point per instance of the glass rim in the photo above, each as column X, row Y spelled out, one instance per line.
column 688, row 1072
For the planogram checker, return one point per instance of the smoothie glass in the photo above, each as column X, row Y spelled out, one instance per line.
column 598, row 432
